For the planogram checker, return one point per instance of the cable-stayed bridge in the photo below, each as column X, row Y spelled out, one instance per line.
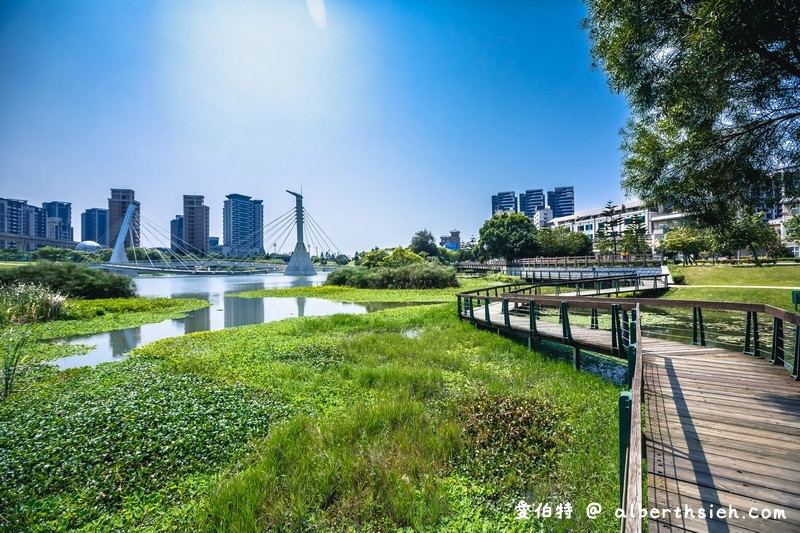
column 181, row 258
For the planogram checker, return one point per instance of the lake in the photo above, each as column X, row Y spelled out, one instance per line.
column 225, row 311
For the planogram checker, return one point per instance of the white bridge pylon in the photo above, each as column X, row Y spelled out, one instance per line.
column 300, row 263
column 118, row 256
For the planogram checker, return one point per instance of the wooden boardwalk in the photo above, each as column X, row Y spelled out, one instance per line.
column 722, row 431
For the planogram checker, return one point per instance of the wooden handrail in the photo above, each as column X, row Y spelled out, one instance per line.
column 589, row 302
column 633, row 490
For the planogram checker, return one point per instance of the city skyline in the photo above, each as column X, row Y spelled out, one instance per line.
column 433, row 106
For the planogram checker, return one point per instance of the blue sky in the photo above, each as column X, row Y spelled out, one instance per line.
column 393, row 116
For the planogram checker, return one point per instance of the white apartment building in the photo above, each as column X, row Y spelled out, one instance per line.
column 656, row 221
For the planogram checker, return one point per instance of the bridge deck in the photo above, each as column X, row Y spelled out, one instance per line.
column 722, row 429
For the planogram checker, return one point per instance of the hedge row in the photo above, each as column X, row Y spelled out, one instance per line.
column 414, row 276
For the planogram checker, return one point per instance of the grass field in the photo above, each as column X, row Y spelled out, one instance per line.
column 738, row 284
column 768, row 275
column 401, row 419
column 781, row 298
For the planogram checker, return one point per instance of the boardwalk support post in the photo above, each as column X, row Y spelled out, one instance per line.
column 624, row 439
column 566, row 332
column 594, row 323
column 506, row 318
column 777, row 342
column 488, row 319
column 698, row 331
column 576, row 358
column 751, row 334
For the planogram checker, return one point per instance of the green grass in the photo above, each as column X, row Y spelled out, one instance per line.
column 15, row 264
column 767, row 275
column 350, row 294
column 781, row 298
column 405, row 418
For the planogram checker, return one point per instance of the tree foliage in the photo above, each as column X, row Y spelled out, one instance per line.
column 793, row 228
column 685, row 240
column 714, row 90
column 560, row 242
column 634, row 238
column 752, row 233
column 423, row 241
column 508, row 235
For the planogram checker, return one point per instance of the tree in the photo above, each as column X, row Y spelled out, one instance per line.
column 685, row 240
column 634, row 239
column 560, row 242
column 750, row 232
column 423, row 241
column 508, row 235
column 792, row 227
column 613, row 220
column 713, row 91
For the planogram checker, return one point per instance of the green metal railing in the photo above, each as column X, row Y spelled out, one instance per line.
column 630, row 434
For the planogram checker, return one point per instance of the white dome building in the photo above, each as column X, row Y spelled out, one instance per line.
column 88, row 246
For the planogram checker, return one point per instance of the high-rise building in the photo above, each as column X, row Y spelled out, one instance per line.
column 117, row 207
column 59, row 220
column 531, row 201
column 504, row 202
column 562, row 201
column 195, row 224
column 242, row 225
column 94, row 225
column 176, row 242
column 19, row 218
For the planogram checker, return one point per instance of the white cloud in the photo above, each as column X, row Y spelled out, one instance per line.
column 317, row 10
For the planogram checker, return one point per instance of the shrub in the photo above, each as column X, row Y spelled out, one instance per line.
column 678, row 279
column 71, row 279
column 421, row 275
column 511, row 437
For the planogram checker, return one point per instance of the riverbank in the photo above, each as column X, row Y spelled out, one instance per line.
column 400, row 418
column 86, row 317
column 351, row 294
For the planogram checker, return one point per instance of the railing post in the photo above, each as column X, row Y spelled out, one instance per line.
column 566, row 332
column 632, row 330
column 595, row 324
column 471, row 310
column 796, row 365
column 533, row 317
column 488, row 319
column 698, row 331
column 458, row 298
column 751, row 334
column 777, row 342
column 506, row 318
column 616, row 331
column 624, row 405
column 631, row 363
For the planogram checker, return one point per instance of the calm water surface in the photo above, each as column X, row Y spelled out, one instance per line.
column 224, row 312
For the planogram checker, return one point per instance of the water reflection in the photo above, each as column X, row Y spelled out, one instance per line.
column 224, row 312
